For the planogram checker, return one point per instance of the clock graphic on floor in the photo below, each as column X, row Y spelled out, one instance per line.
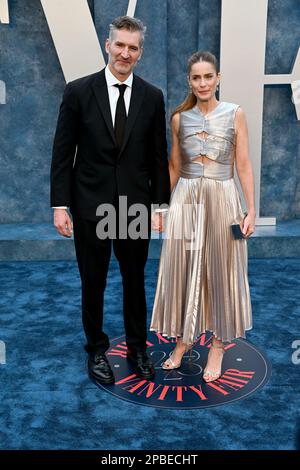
column 245, row 370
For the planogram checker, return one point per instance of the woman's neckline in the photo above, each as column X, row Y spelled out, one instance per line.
column 197, row 107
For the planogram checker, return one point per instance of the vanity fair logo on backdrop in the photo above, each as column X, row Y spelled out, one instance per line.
column 243, row 37
column 4, row 18
column 245, row 370
column 4, row 15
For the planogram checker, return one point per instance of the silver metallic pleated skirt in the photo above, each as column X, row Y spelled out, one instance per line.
column 202, row 278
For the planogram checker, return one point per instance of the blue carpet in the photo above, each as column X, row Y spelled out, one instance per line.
column 48, row 402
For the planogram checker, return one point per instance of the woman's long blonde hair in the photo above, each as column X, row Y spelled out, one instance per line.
column 199, row 56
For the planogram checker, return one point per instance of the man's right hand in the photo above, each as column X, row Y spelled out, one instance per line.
column 63, row 222
column 157, row 222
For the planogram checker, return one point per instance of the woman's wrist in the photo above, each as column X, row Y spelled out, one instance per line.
column 252, row 212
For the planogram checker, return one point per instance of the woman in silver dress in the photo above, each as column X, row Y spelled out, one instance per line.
column 202, row 279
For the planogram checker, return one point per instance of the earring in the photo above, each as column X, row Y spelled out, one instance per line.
column 191, row 89
column 217, row 88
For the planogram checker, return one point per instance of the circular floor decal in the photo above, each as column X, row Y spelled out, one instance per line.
column 245, row 369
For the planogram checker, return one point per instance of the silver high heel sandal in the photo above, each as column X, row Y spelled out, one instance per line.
column 210, row 376
column 169, row 364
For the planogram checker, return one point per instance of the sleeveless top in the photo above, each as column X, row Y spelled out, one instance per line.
column 218, row 144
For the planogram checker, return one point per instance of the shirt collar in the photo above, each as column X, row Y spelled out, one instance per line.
column 112, row 80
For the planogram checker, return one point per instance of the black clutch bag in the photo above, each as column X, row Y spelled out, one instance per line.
column 237, row 231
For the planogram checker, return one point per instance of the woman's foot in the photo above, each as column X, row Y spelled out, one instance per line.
column 174, row 361
column 213, row 369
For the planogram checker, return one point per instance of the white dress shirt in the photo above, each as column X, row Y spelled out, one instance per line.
column 113, row 92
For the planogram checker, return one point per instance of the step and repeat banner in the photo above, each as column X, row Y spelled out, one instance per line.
column 46, row 43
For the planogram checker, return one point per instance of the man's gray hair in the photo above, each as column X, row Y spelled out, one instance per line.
column 130, row 24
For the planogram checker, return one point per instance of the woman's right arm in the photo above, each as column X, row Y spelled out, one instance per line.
column 175, row 160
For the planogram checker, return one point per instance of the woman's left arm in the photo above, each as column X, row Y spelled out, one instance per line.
column 244, row 170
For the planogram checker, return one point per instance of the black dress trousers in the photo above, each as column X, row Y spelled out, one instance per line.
column 93, row 257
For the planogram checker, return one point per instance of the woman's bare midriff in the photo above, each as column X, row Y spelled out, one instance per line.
column 202, row 159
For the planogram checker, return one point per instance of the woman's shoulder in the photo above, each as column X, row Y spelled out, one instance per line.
column 183, row 117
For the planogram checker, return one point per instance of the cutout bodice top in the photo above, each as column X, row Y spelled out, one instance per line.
column 211, row 135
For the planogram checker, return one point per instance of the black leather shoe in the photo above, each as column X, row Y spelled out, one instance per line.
column 99, row 369
column 143, row 367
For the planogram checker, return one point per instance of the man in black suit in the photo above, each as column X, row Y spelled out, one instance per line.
column 110, row 141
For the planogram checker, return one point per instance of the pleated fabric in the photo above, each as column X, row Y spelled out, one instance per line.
column 202, row 278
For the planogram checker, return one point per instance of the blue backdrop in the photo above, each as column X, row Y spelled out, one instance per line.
column 34, row 81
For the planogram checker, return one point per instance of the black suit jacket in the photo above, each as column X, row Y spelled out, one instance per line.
column 88, row 169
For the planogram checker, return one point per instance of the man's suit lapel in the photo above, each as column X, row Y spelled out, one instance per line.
column 137, row 95
column 101, row 93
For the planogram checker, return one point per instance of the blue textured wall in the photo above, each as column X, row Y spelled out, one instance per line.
column 280, row 176
column 176, row 28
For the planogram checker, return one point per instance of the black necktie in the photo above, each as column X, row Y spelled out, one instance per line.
column 120, row 118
